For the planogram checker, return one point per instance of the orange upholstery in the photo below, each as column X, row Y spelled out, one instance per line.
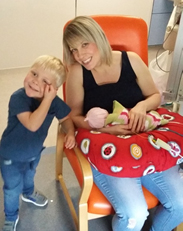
column 124, row 33
column 97, row 203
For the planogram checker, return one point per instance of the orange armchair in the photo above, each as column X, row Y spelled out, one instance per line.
column 124, row 33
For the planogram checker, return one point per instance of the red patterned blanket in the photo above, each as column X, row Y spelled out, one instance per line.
column 136, row 155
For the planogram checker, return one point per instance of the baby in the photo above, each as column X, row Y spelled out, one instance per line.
column 99, row 117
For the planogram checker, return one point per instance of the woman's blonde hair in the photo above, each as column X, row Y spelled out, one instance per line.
column 53, row 65
column 85, row 28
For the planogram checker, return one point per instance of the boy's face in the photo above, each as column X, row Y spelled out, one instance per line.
column 36, row 81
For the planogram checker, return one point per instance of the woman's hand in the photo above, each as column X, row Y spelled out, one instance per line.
column 117, row 129
column 137, row 118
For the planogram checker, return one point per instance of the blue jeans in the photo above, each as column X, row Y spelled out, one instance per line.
column 127, row 199
column 18, row 178
column 167, row 186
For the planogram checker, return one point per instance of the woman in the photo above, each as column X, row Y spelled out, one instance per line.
column 94, row 71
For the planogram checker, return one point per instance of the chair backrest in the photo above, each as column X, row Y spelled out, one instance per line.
column 124, row 33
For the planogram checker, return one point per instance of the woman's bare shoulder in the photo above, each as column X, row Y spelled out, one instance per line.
column 74, row 70
column 76, row 67
column 132, row 55
column 135, row 60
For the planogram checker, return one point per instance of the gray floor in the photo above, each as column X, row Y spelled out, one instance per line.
column 55, row 216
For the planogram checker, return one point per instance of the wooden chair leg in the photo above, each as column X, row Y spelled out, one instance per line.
column 85, row 191
column 83, row 217
column 59, row 173
column 59, row 153
column 80, row 221
column 69, row 201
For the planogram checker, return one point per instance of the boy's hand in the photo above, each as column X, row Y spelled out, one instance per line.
column 70, row 141
column 49, row 92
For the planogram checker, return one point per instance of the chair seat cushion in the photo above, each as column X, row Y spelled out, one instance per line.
column 98, row 204
column 135, row 155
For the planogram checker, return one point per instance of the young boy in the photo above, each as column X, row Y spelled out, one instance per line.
column 31, row 111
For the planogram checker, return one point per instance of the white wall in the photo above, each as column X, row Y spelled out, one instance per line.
column 138, row 8
column 30, row 28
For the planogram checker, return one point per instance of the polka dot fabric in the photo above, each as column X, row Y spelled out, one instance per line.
column 136, row 155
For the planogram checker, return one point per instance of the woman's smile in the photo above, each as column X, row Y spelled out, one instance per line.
column 87, row 61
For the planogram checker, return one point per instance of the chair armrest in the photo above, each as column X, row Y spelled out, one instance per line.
column 79, row 164
column 87, row 176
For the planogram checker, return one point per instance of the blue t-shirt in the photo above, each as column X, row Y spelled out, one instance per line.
column 17, row 142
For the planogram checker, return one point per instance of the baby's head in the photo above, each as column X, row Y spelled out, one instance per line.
column 52, row 65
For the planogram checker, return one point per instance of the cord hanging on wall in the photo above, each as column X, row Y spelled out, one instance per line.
column 76, row 4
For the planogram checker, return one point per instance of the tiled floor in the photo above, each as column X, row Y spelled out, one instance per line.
column 11, row 80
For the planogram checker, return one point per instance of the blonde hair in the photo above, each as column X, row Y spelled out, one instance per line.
column 86, row 28
column 53, row 65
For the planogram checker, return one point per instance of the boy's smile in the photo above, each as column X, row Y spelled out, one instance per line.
column 36, row 81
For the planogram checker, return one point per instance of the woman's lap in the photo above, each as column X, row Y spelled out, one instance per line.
column 126, row 197
column 167, row 186
column 164, row 184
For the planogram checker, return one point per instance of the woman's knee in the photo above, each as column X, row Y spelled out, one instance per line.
column 177, row 206
column 174, row 206
column 134, row 219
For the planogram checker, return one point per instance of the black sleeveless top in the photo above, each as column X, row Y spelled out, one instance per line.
column 126, row 90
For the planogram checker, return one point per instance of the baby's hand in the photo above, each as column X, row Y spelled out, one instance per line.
column 50, row 92
column 70, row 141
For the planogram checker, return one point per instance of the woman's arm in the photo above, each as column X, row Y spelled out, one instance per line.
column 145, row 82
column 149, row 90
column 75, row 95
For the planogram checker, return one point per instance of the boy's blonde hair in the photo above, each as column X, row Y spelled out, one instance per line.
column 87, row 29
column 53, row 65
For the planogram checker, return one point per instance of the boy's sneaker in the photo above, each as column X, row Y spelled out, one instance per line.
column 36, row 198
column 10, row 225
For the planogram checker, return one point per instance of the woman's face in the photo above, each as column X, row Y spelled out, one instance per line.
column 87, row 54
